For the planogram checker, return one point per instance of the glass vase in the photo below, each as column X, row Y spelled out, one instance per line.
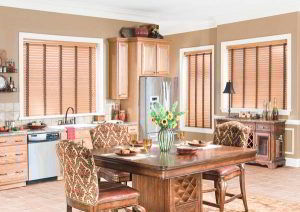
column 165, row 139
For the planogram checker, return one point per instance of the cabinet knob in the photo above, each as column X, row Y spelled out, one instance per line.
column 3, row 156
column 3, row 174
column 19, row 172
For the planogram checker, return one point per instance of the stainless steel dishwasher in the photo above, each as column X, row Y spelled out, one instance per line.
column 42, row 159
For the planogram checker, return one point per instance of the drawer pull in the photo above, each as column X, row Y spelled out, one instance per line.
column 19, row 172
column 3, row 174
column 3, row 142
column 19, row 154
column 18, row 141
column 3, row 156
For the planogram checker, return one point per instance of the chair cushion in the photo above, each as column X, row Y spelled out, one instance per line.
column 224, row 171
column 114, row 175
column 110, row 192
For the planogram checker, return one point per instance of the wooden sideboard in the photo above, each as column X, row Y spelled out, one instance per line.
column 267, row 137
column 13, row 161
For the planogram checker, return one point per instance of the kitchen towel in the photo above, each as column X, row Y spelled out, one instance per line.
column 71, row 133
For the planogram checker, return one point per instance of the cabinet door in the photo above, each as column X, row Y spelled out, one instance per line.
column 122, row 70
column 148, row 58
column 163, row 59
column 263, row 146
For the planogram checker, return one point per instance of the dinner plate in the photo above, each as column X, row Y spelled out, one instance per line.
column 3, row 82
column 186, row 150
column 132, row 153
column 202, row 144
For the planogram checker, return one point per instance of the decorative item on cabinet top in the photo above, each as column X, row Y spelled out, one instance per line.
column 149, row 30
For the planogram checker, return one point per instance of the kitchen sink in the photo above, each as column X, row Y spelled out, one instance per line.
column 61, row 127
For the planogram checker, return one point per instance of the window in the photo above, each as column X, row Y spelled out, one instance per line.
column 258, row 74
column 260, row 69
column 57, row 75
column 196, row 89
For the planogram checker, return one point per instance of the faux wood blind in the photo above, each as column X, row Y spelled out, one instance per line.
column 258, row 74
column 57, row 76
column 199, row 89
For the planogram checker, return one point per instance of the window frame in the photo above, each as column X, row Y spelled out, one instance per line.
column 225, row 70
column 183, row 86
column 100, row 74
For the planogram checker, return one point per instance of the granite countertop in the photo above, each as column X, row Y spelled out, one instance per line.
column 13, row 133
column 251, row 120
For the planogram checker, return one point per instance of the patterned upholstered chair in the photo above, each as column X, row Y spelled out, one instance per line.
column 109, row 135
column 83, row 191
column 228, row 134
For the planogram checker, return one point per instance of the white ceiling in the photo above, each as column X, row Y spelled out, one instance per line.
column 173, row 16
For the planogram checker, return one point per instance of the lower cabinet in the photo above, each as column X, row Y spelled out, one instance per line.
column 267, row 137
column 13, row 161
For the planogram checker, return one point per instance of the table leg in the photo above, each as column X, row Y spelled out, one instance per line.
column 180, row 194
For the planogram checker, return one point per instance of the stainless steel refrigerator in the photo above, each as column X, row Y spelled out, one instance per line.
column 152, row 90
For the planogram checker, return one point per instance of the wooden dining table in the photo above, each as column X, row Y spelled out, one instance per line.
column 169, row 182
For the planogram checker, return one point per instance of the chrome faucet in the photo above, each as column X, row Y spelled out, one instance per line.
column 73, row 121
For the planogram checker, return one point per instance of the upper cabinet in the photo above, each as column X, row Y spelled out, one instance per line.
column 118, row 68
column 155, row 58
column 149, row 59
column 163, row 59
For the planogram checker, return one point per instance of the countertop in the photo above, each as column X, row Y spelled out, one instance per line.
column 251, row 120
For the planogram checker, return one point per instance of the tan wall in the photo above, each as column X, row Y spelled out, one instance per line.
column 13, row 21
column 275, row 25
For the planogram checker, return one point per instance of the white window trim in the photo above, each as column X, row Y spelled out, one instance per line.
column 100, row 73
column 224, row 71
column 184, row 88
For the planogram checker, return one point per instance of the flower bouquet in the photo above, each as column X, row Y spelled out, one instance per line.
column 167, row 120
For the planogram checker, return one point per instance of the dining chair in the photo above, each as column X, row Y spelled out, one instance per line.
column 109, row 135
column 235, row 134
column 82, row 188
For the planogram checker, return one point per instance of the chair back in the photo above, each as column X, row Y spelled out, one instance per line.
column 231, row 133
column 80, row 175
column 108, row 135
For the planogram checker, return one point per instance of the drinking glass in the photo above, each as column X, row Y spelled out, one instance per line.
column 147, row 144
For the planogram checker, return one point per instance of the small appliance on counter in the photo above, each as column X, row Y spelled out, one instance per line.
column 42, row 159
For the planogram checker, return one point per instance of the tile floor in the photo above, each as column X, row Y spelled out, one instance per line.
column 282, row 184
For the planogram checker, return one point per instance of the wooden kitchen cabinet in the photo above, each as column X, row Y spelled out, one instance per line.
column 267, row 137
column 13, row 161
column 118, row 68
column 149, row 58
column 163, row 59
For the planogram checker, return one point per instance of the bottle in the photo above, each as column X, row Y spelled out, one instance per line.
column 270, row 109
column 14, row 89
column 275, row 112
column 265, row 111
column 11, row 85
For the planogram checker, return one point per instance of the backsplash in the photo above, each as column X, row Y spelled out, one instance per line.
column 11, row 111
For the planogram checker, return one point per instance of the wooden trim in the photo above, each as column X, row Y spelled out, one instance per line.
column 258, row 44
column 244, row 67
column 199, row 52
column 90, row 78
column 256, row 80
column 284, row 76
column 27, row 81
column 270, row 72
column 203, row 69
column 44, row 79
column 196, row 88
column 210, row 92
column 59, row 43
column 189, row 91
column 76, row 79
column 60, row 78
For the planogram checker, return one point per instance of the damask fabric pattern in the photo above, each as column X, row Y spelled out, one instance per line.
column 109, row 135
column 81, row 182
column 231, row 133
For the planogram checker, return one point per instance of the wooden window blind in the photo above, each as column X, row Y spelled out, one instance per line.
column 258, row 74
column 58, row 75
column 199, row 89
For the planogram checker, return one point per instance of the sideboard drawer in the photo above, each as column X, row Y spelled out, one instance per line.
column 263, row 127
column 13, row 140
column 13, row 173
column 13, row 154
